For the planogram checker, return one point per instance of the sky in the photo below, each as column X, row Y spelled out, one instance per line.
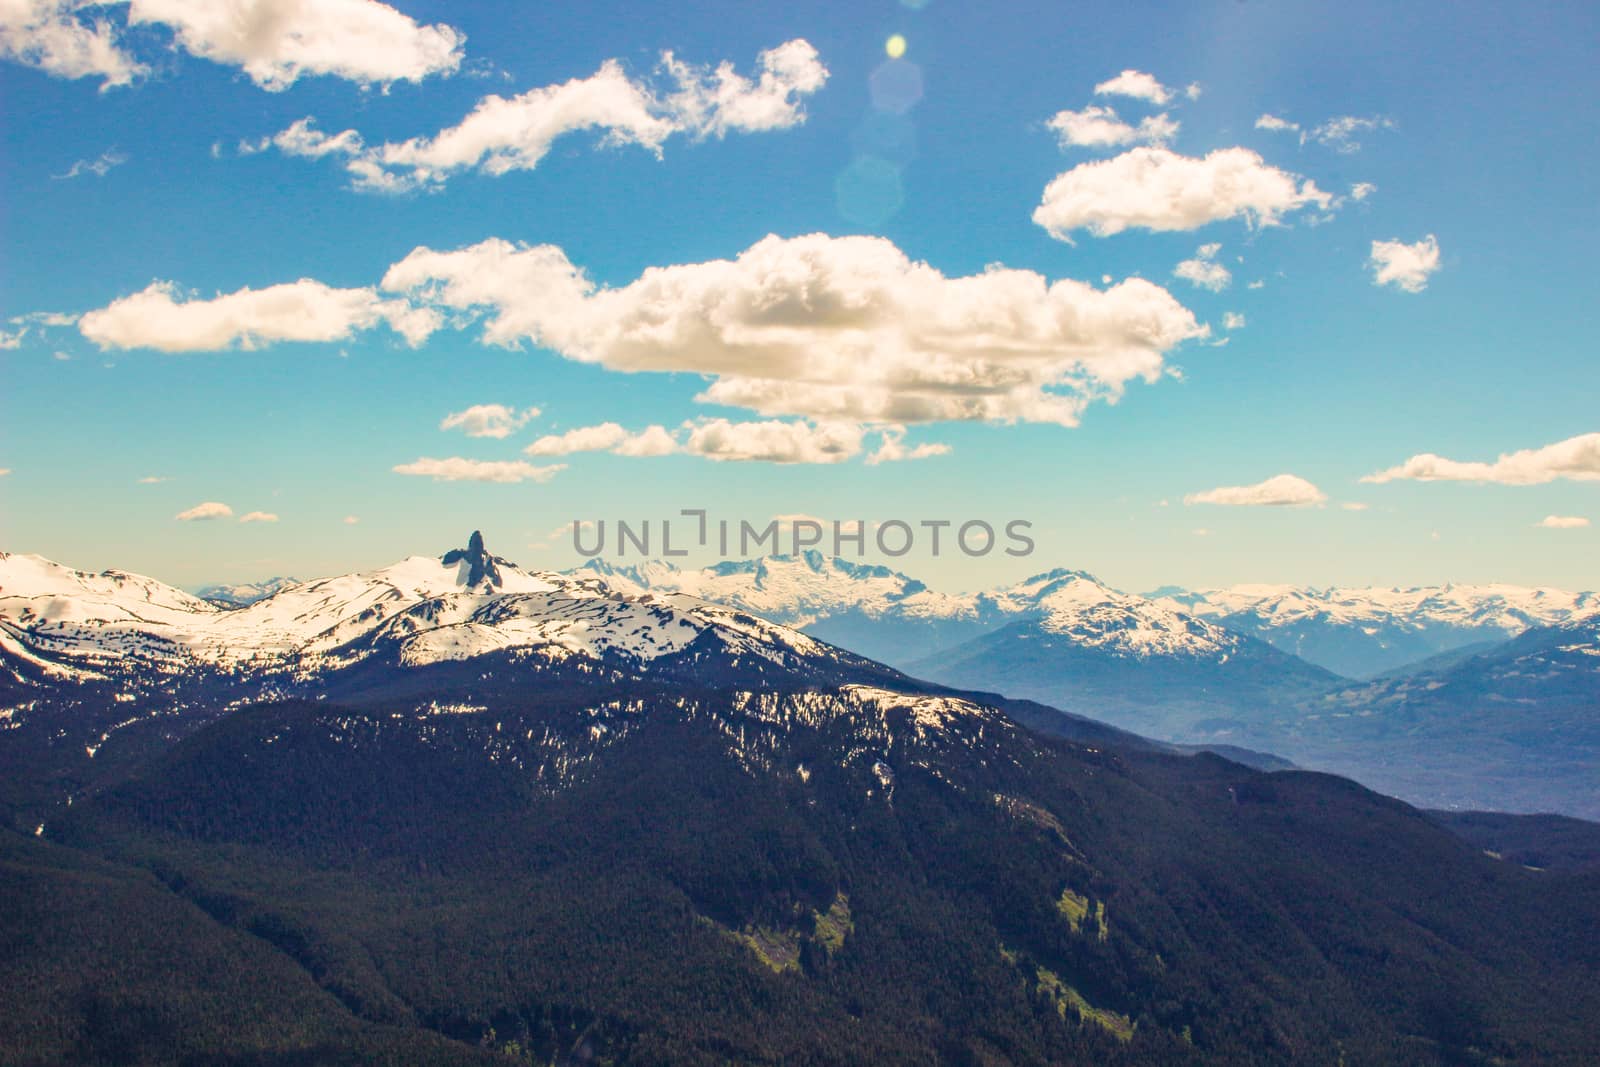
column 1208, row 293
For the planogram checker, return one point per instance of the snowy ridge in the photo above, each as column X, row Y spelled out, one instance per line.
column 68, row 623
column 808, row 589
column 1508, row 608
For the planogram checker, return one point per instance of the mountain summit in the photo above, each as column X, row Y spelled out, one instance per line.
column 481, row 568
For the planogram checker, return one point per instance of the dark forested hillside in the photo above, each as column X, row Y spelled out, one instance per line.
column 668, row 875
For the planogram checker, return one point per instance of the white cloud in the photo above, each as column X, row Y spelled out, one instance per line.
column 4, row 471
column 457, row 469
column 1157, row 189
column 504, row 134
column 1576, row 458
column 12, row 340
column 1141, row 86
column 1564, row 522
column 1204, row 270
column 1276, row 124
column 1284, row 490
column 774, row 441
column 258, row 516
column 67, row 39
column 1340, row 133
column 489, row 420
column 892, row 449
column 351, row 520
column 607, row 437
column 831, row 329
column 1362, row 190
column 1352, row 505
column 274, row 42
column 99, row 166
column 1232, row 320
column 160, row 317
column 154, row 479
column 1099, row 127
column 1404, row 266
column 211, row 509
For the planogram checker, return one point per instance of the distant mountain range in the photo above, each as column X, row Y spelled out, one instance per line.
column 1458, row 729
column 1254, row 666
column 455, row 811
column 894, row 618
column 244, row 593
column 1361, row 633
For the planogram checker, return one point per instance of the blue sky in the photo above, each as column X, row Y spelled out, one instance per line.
column 1481, row 137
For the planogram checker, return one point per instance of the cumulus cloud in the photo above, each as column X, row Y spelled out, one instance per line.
column 100, row 166
column 771, row 441
column 505, row 134
column 211, row 509
column 457, row 469
column 1204, row 270
column 826, row 328
column 258, row 516
column 489, row 420
column 1141, row 86
column 163, row 318
column 1284, row 490
column 1232, row 320
column 1340, row 133
column 774, row 441
column 1276, row 124
column 12, row 339
column 274, row 42
column 67, row 39
column 606, row 437
column 1404, row 266
column 1100, row 127
column 892, row 448
column 1362, row 190
column 1576, row 459
column 1563, row 522
column 1157, row 189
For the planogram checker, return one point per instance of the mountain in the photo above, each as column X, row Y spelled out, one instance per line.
column 1141, row 665
column 455, row 811
column 1515, row 726
column 244, row 593
column 878, row 612
column 656, row 872
column 99, row 671
column 1361, row 633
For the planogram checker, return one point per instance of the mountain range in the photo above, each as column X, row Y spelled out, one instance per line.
column 454, row 811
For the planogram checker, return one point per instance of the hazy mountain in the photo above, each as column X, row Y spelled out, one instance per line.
column 1127, row 660
column 1360, row 633
column 1514, row 727
column 244, row 593
column 897, row 619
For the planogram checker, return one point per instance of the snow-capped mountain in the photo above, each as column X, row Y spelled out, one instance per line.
column 422, row 610
column 898, row 620
column 242, row 594
column 1365, row 632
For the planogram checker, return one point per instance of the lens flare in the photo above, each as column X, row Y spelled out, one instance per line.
column 895, row 46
